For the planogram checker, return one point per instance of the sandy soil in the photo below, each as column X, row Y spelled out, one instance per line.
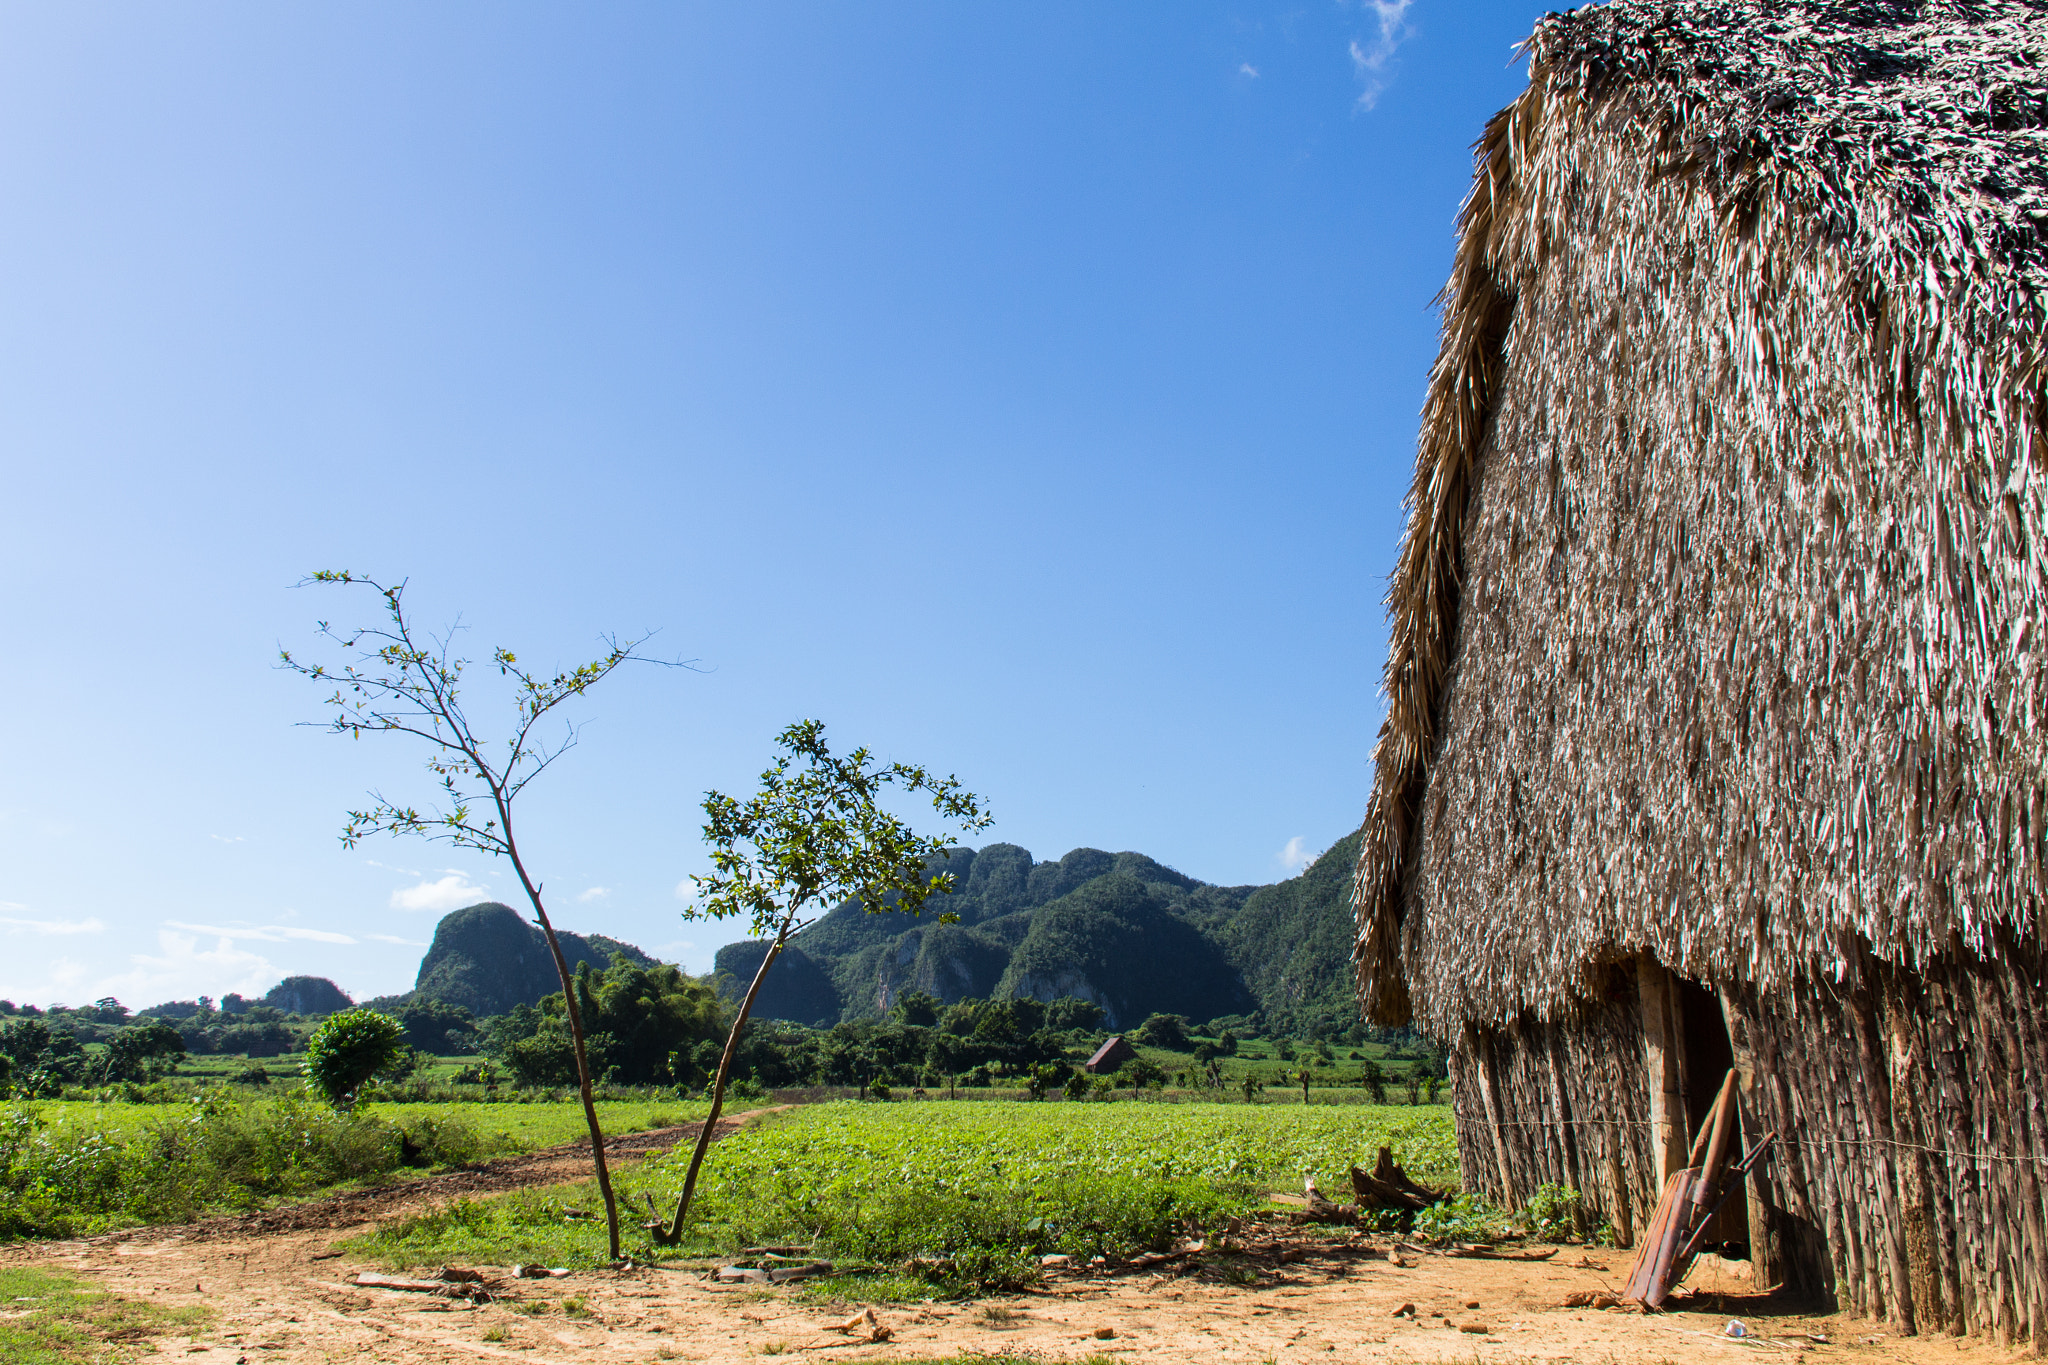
column 284, row 1296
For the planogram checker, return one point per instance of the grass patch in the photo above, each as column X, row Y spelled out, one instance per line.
column 72, row 1168
column 968, row 1197
column 64, row 1325
column 508, row 1127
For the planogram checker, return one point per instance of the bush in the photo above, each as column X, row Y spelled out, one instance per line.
column 1168, row 1031
column 1461, row 1218
column 346, row 1051
column 1552, row 1213
column 219, row 1153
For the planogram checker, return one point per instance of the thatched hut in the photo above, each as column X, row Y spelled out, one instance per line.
column 1716, row 719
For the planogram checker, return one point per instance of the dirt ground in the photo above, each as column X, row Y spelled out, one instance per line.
column 283, row 1296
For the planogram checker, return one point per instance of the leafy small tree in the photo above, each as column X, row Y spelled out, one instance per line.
column 919, row 1009
column 1076, row 1087
column 401, row 682
column 812, row 836
column 1375, row 1078
column 347, row 1050
column 1140, row 1071
column 1068, row 1014
column 1169, row 1031
column 140, row 1052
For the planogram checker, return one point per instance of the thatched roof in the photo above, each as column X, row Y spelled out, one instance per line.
column 1716, row 627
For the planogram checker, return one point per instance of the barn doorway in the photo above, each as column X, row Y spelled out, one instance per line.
column 1705, row 1056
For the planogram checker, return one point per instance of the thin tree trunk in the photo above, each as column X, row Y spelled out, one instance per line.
column 604, row 1175
column 674, row 1233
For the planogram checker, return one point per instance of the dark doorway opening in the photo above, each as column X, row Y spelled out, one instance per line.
column 1705, row 1060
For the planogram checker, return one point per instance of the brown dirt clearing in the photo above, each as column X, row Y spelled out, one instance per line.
column 284, row 1297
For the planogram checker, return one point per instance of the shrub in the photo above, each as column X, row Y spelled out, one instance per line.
column 1552, row 1213
column 1169, row 1031
column 346, row 1051
column 1461, row 1218
column 218, row 1153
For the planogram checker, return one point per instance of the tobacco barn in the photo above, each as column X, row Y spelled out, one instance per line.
column 1716, row 724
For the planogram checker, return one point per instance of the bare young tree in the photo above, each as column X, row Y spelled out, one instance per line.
column 396, row 681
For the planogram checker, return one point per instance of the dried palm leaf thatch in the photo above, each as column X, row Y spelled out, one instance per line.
column 1716, row 631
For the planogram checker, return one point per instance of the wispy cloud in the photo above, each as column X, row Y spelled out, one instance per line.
column 17, row 924
column 229, row 838
column 1296, row 855
column 686, row 953
column 181, row 966
column 393, row 938
column 262, row 933
column 1369, row 59
column 401, row 871
column 1247, row 69
column 595, row 893
column 450, row 892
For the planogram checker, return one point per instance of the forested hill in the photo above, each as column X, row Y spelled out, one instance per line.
column 488, row 958
column 1118, row 929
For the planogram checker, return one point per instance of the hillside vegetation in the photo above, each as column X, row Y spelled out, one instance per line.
column 488, row 959
column 1117, row 929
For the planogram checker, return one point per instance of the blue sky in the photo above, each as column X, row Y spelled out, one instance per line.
column 1028, row 391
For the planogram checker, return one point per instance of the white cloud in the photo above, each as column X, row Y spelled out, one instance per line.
column 1296, row 855
column 1369, row 60
column 686, row 890
column 15, row 924
column 686, row 953
column 262, row 933
column 229, row 838
column 401, row 871
column 595, row 893
column 393, row 938
column 451, row 892
column 181, row 968
column 1247, row 69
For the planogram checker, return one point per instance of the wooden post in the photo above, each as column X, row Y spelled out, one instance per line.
column 1623, row 1215
column 1765, row 1259
column 1479, row 1046
column 1663, row 1043
column 1908, row 1075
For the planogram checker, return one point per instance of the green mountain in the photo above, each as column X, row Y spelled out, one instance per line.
column 307, row 995
column 1118, row 929
column 488, row 958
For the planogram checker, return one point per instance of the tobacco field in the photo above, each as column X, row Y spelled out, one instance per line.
column 970, row 1195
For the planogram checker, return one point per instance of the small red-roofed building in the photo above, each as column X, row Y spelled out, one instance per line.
column 1110, row 1057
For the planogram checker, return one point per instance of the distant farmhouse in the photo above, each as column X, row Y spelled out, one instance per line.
column 1717, row 725
column 1110, row 1057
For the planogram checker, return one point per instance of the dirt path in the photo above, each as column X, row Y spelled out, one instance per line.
column 284, row 1297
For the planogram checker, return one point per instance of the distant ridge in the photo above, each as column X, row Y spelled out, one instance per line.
column 1118, row 929
column 488, row 958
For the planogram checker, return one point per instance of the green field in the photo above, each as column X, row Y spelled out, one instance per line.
column 502, row 1127
column 974, row 1193
column 77, row 1167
